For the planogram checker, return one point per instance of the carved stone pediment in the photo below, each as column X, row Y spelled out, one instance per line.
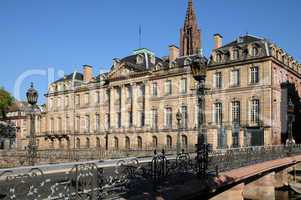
column 121, row 71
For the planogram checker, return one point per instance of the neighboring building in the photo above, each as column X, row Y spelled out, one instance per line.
column 134, row 105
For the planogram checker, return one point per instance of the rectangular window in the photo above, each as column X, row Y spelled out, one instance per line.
column 119, row 120
column 142, row 119
column 67, row 124
column 254, row 111
column 154, row 119
column 107, row 121
column 77, row 100
column 108, row 94
column 217, row 80
column 130, row 119
column 235, row 78
column 168, row 87
column 218, row 109
column 130, row 93
column 168, row 118
column 78, row 124
column 87, row 123
column 155, row 89
column 67, row 101
column 236, row 112
column 97, row 97
column 254, row 75
column 97, row 122
column 183, row 86
column 51, row 124
column 184, row 116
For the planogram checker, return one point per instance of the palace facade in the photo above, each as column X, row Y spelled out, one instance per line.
column 134, row 105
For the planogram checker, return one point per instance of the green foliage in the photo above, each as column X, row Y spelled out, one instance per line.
column 5, row 101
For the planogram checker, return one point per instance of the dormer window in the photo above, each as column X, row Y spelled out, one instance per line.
column 236, row 54
column 139, row 59
column 255, row 51
column 218, row 58
column 153, row 59
column 187, row 61
column 173, row 64
column 158, row 66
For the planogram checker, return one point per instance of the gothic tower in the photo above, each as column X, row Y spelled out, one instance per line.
column 190, row 36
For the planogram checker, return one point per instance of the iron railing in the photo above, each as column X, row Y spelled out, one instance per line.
column 127, row 177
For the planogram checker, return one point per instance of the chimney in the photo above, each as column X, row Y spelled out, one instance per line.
column 173, row 53
column 88, row 73
column 218, row 40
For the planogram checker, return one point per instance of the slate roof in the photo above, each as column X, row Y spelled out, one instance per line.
column 242, row 40
column 78, row 76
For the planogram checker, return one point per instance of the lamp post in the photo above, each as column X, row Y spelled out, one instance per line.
column 199, row 69
column 32, row 98
column 291, row 119
column 179, row 118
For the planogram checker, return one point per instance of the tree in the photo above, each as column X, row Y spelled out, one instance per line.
column 6, row 100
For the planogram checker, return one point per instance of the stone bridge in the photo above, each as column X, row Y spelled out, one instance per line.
column 230, row 173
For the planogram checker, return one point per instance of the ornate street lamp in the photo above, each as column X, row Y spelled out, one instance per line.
column 199, row 69
column 179, row 118
column 32, row 99
column 291, row 119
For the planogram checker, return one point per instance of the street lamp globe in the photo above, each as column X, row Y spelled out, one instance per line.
column 32, row 95
column 199, row 69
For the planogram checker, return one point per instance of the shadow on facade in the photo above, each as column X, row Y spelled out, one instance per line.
column 289, row 91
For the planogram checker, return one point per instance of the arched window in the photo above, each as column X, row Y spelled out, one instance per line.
column 116, row 143
column 139, row 142
column 127, row 143
column 155, row 142
column 97, row 143
column 169, row 142
column 184, row 142
column 77, row 143
column 87, row 143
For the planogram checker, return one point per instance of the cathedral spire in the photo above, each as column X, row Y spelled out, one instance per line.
column 190, row 36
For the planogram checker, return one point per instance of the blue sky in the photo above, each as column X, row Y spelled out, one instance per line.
column 55, row 36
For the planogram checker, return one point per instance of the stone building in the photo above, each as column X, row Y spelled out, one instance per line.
column 134, row 105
